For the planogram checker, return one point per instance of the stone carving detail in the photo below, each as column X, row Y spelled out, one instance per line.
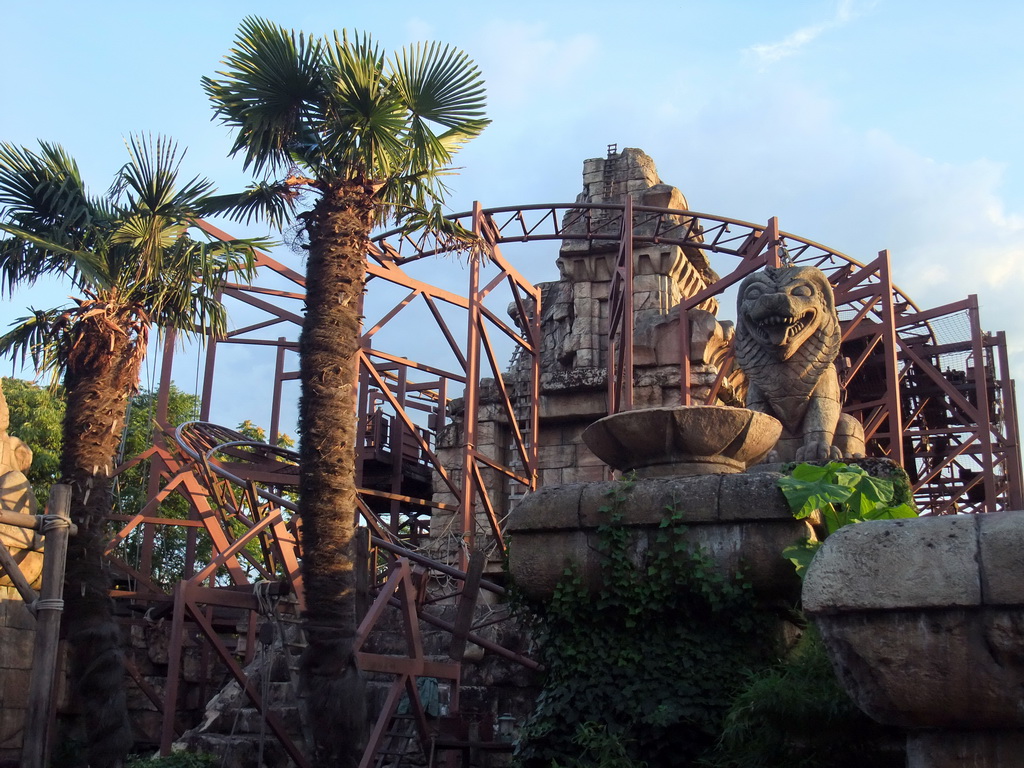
column 787, row 340
column 16, row 496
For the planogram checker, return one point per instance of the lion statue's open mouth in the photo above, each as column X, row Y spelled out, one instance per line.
column 782, row 330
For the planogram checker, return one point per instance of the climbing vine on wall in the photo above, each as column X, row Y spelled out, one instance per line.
column 653, row 657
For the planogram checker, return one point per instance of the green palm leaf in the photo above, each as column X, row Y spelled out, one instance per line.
column 270, row 90
column 440, row 84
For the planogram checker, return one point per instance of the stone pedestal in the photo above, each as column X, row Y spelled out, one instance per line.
column 741, row 521
column 924, row 622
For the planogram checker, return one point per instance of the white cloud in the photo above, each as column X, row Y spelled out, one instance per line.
column 769, row 53
column 790, row 152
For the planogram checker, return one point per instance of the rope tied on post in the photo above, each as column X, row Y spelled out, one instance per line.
column 52, row 523
column 45, row 604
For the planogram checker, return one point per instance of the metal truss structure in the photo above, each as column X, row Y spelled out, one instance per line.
column 931, row 388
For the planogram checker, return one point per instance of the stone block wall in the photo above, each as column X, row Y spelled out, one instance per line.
column 17, row 627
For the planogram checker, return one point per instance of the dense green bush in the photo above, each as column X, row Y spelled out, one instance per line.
column 667, row 663
column 796, row 715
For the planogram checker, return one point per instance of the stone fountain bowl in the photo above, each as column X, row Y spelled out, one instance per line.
column 683, row 440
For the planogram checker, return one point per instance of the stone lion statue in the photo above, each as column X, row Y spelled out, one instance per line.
column 787, row 340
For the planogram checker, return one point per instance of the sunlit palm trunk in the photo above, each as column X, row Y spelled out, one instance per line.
column 338, row 229
column 99, row 382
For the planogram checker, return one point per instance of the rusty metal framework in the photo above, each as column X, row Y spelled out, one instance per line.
column 931, row 388
column 951, row 421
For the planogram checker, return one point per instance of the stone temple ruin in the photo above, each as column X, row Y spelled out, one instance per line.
column 486, row 439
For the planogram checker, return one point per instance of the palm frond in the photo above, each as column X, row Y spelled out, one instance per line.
column 150, row 179
column 440, row 84
column 363, row 135
column 37, row 337
column 27, row 256
column 130, row 258
column 44, row 189
column 273, row 202
column 271, row 86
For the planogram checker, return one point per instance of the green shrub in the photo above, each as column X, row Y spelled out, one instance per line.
column 796, row 715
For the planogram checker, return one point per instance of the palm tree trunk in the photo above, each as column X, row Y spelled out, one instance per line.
column 338, row 228
column 99, row 382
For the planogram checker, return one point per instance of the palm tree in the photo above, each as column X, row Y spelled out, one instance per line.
column 370, row 137
column 131, row 259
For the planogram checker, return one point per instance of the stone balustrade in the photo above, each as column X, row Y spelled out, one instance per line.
column 924, row 622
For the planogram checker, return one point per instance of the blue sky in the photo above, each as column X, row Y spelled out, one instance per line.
column 862, row 125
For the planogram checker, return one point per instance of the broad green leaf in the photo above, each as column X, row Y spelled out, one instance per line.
column 801, row 555
column 848, row 474
column 805, row 496
column 868, row 495
column 897, row 512
column 813, row 473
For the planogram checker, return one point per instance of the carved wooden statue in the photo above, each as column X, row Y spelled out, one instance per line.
column 787, row 340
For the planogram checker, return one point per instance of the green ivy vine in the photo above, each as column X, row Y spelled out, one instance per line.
column 651, row 660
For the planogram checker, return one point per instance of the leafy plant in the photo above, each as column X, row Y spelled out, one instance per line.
column 844, row 494
column 645, row 665
column 179, row 759
column 36, row 415
column 796, row 715
column 601, row 749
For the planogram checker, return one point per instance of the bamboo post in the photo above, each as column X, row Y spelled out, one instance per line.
column 57, row 528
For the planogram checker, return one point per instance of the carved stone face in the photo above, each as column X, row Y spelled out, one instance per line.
column 782, row 308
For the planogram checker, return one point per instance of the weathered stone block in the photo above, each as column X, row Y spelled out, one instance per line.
column 695, row 498
column 14, row 688
column 555, row 456
column 889, row 564
column 586, row 458
column 753, row 549
column 548, row 508
column 587, row 474
column 551, row 477
column 16, row 649
column 752, row 496
column 546, row 526
column 926, row 669
column 1001, row 550
column 539, row 560
column 16, row 614
column 12, row 724
column 594, row 498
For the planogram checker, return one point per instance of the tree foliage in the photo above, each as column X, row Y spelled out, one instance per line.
column 134, row 258
column 37, row 414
